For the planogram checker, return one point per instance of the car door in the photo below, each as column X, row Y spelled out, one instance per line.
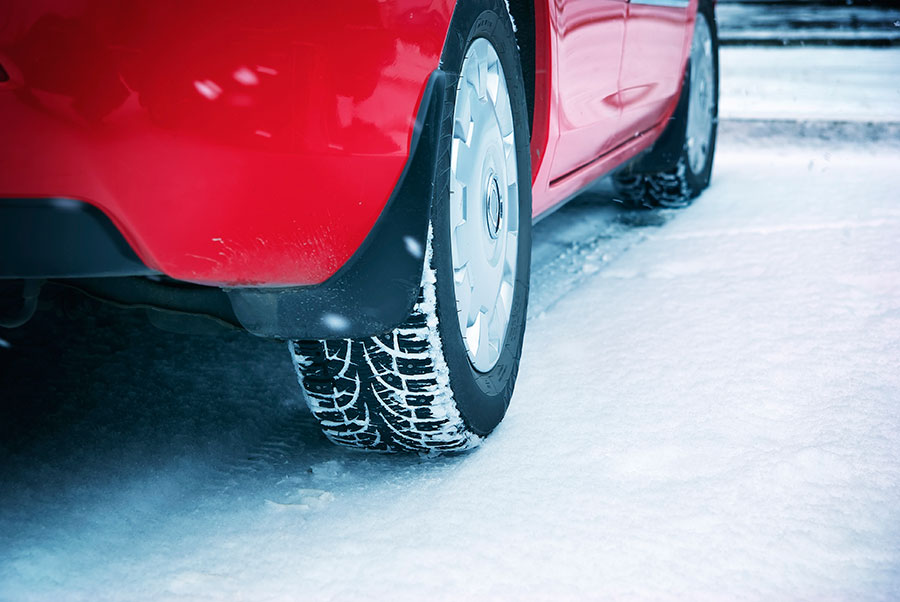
column 589, row 36
column 656, row 32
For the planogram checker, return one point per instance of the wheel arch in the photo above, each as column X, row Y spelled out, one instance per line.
column 664, row 152
column 531, row 24
column 522, row 12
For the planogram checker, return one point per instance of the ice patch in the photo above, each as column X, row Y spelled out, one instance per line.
column 329, row 470
column 675, row 269
column 620, row 273
column 302, row 500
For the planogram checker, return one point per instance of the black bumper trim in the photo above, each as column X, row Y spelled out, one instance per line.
column 62, row 238
column 377, row 287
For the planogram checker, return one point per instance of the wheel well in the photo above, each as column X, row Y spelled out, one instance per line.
column 522, row 12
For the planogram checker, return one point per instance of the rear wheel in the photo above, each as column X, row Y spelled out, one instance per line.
column 692, row 132
column 443, row 379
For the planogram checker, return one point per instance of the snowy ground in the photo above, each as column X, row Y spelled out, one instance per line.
column 837, row 84
column 707, row 409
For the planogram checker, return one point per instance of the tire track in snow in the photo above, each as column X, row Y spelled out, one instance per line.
column 582, row 239
column 570, row 246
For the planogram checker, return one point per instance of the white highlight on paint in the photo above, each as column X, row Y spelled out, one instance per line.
column 208, row 89
column 246, row 76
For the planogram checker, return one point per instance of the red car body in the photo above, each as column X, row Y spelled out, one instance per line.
column 257, row 144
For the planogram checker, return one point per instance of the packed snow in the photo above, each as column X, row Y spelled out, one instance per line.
column 707, row 409
column 836, row 84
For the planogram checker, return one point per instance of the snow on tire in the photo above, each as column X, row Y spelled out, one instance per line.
column 389, row 392
column 442, row 380
column 669, row 188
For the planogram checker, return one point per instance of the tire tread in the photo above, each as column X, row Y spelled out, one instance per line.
column 389, row 392
column 669, row 188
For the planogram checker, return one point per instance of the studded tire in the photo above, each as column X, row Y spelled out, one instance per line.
column 414, row 388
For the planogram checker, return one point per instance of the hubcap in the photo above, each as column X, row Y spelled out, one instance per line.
column 493, row 206
column 484, row 208
column 702, row 96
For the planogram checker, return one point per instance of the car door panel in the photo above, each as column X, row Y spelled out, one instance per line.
column 590, row 35
column 652, row 59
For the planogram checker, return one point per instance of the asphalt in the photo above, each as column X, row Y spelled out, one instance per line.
column 808, row 23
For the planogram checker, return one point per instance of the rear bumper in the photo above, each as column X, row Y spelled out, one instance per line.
column 375, row 290
column 371, row 293
column 62, row 238
column 240, row 145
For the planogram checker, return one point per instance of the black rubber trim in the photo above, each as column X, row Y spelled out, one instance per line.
column 62, row 238
column 160, row 293
column 375, row 290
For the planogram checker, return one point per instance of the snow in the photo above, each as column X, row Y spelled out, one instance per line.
column 841, row 84
column 707, row 409
column 739, row 369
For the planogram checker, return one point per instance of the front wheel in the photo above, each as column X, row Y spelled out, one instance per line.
column 442, row 380
column 691, row 133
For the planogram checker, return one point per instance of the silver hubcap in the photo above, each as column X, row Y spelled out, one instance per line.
column 484, row 207
column 702, row 99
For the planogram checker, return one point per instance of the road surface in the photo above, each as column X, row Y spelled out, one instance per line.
column 707, row 409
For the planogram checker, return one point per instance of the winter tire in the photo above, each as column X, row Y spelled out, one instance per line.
column 442, row 380
column 691, row 135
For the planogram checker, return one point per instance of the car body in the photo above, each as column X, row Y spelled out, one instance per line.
column 271, row 165
column 218, row 138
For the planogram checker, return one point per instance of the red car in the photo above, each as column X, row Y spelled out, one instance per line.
column 357, row 178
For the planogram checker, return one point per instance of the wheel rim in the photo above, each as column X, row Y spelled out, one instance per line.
column 484, row 205
column 702, row 96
